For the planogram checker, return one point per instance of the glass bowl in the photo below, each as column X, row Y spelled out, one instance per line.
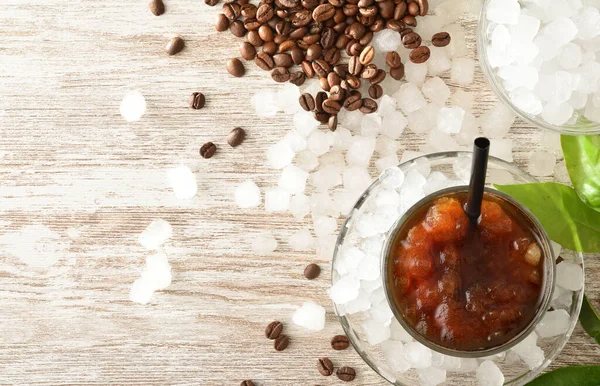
column 577, row 125
column 368, row 320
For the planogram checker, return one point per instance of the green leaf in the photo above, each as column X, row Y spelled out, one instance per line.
column 590, row 320
column 582, row 156
column 570, row 376
column 566, row 219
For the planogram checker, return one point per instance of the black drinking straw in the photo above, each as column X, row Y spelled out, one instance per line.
column 481, row 151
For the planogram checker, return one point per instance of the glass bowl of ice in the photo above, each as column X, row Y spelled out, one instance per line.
column 361, row 302
column 542, row 58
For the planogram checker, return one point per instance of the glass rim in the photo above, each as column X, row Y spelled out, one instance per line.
column 501, row 93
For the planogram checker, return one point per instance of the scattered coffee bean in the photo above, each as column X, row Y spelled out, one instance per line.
column 237, row 29
column 353, row 82
column 208, row 150
column 353, row 102
column 423, row 7
column 322, row 116
column 367, row 54
column 410, row 20
column 323, row 12
column 298, row 78
column 375, row 91
column 346, row 374
column 332, row 107
column 393, row 59
column 236, row 137
column 312, row 271
column 441, row 39
column 247, row 383
column 379, row 77
column 157, row 7
column 270, row 48
column 332, row 123
column 264, row 61
column 281, row 342
column 235, row 67
column 247, row 51
column 232, row 11
column 413, row 9
column 211, row 3
column 369, row 71
column 308, row 69
column 355, row 67
column 369, row 106
column 324, row 84
column 337, row 93
column 400, row 10
column 340, row 342
column 265, row 13
column 411, row 40
column 307, row 102
column 222, row 23
column 420, row 55
column 321, row 68
column 398, row 72
column 325, row 366
column 197, row 100
column 274, row 329
column 249, row 11
column 280, row 74
column 283, row 60
column 254, row 39
column 175, row 46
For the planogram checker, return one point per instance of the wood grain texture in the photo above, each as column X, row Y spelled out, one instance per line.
column 70, row 165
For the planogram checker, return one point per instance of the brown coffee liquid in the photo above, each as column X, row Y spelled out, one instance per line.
column 462, row 287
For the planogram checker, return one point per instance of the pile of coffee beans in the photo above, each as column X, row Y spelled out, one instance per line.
column 314, row 34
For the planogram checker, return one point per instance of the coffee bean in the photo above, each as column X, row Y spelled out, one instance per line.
column 289, row 3
column 375, row 91
column 312, row 271
column 400, row 11
column 247, row 383
column 325, row 366
column 249, row 11
column 319, row 99
column 197, row 100
column 208, row 150
column 283, row 60
column 247, row 51
column 420, row 55
column 441, row 39
column 333, row 79
column 273, row 329
column 236, row 137
column 314, row 52
column 410, row 20
column 232, row 11
column 237, row 29
column 286, row 45
column 340, row 342
column 283, row 27
column 322, row 116
column 332, row 56
column 398, row 72
column 413, row 9
column 307, row 68
column 235, row 67
column 367, row 54
column 157, row 7
column 175, row 46
column 405, row 32
column 297, row 55
column 353, row 102
column 327, row 38
column 265, row 13
column 365, row 40
column 254, row 39
column 301, row 18
column 337, row 93
column 395, row 25
column 307, row 102
column 411, row 40
column 280, row 74
column 356, row 31
column 264, row 61
column 298, row 33
column 323, row 12
column 211, row 3
column 266, row 33
column 369, row 71
column 341, row 70
column 321, row 68
column 281, row 343
column 324, row 84
column 298, row 78
column 423, row 7
column 379, row 77
column 355, row 49
column 355, row 66
column 369, row 106
column 393, row 59
column 222, row 23
column 331, row 106
column 346, row 374
column 350, row 10
column 269, row 48
column 251, row 24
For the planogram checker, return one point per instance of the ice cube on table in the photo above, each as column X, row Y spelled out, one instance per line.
column 375, row 331
column 387, row 105
column 548, row 47
column 342, row 138
column 529, row 352
column 324, row 225
column 449, row 11
column 280, row 155
column 424, row 119
column 318, row 142
column 141, row 290
column 415, row 73
column 306, row 160
column 526, row 29
column 361, row 150
column 410, row 98
column 439, row 62
column 350, row 119
column 344, row 290
column 431, row 376
column 502, row 148
column 439, row 141
column 562, row 30
column 293, row 179
column 430, row 25
column 265, row 104
column 541, row 163
column 569, row 276
column 462, row 71
column 387, row 162
column 287, row 98
column 393, row 352
column 322, row 204
column 570, row 56
column 183, row 182
column 450, row 119
column 158, row 271
column 463, row 99
column 264, row 242
column 504, row 11
column 588, row 22
column 394, row 124
column 436, row 90
column 344, row 200
column 554, row 323
column 155, row 234
column 370, row 126
column 299, row 206
column 277, row 200
column 295, row 140
column 557, row 113
column 305, row 123
column 326, row 178
column 310, row 316
column 387, row 198
column 386, row 40
column 458, row 43
column 469, row 130
column 333, row 159
column 386, row 145
column 488, row 374
column 326, row 247
column 462, row 168
column 392, row 178
column 497, row 122
column 527, row 101
column 417, row 355
column 301, row 240
column 133, row 106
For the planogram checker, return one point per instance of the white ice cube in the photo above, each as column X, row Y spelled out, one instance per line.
column 398, row 332
column 323, row 205
column 541, row 163
column 393, row 352
column 503, row 11
column 310, row 316
column 392, row 178
column 263, row 243
column 387, row 105
column 318, row 142
column 569, row 276
column 548, row 47
column 554, row 323
column 158, row 271
column 133, row 106
column 431, row 376
column 293, row 179
column 439, row 61
column 387, row 162
column 299, row 206
column 342, row 138
column 462, row 168
column 295, row 140
column 557, row 113
column 287, row 98
column 469, row 130
column 326, row 178
column 519, row 76
column 462, row 99
column 280, row 155
column 301, row 240
column 386, row 146
column 141, row 290
column 529, row 352
column 350, row 119
column 436, row 90
column 324, row 225
column 488, row 374
column 376, row 331
column 394, row 124
column 415, row 73
column 410, row 98
column 588, row 22
column 155, row 234
column 386, row 40
column 462, row 71
column 370, row 126
column 502, row 148
column 344, row 290
column 570, row 56
column 424, row 119
column 265, row 104
column 450, row 119
column 562, row 30
column 277, row 200
column 305, row 123
column 326, row 247
column 361, row 150
column 360, row 304
column 439, row 141
column 527, row 101
column 417, row 355
column 497, row 122
column 526, row 29
column 183, row 182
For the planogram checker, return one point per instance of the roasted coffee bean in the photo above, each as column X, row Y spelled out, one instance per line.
column 353, row 82
column 314, row 52
column 211, row 3
column 298, row 78
column 321, row 68
column 355, row 67
column 265, row 13
column 379, row 77
column 386, row 9
column 369, row 106
column 222, row 23
column 264, row 61
column 332, row 56
column 420, row 55
column 332, row 123
column 289, row 3
column 339, row 28
column 332, row 107
column 375, row 91
column 350, row 10
column 410, row 21
column 175, row 46
column 232, row 11
column 369, row 72
column 367, row 54
column 269, row 48
column 280, row 74
column 236, row 137
column 278, row 39
column 281, row 342
column 251, row 24
column 266, row 33
column 337, row 93
column 323, row 12
column 247, row 383
column 341, row 70
column 355, row 49
column 346, row 374
column 237, row 29
column 311, row 39
column 333, row 79
column 273, row 329
column 283, row 27
column 378, row 25
column 353, row 102
column 398, row 72
column 298, row 33
column 301, row 18
column 325, row 367
column 319, row 99
column 286, row 45
column 423, row 7
column 365, row 40
column 405, row 31
column 356, row 31
column 322, row 116
column 400, row 10
column 297, row 55
column 393, row 59
column 324, row 84
column 283, row 60
column 196, row 100
column 327, row 38
column 247, row 51
column 395, row 25
column 441, row 39
column 249, row 11
column 413, row 9
column 157, row 7
column 254, row 39
column 312, row 271
column 235, row 67
column 340, row 342
column 307, row 102
column 411, row 40
column 308, row 70
column 208, row 150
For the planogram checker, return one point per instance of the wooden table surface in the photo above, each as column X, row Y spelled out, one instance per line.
column 78, row 184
